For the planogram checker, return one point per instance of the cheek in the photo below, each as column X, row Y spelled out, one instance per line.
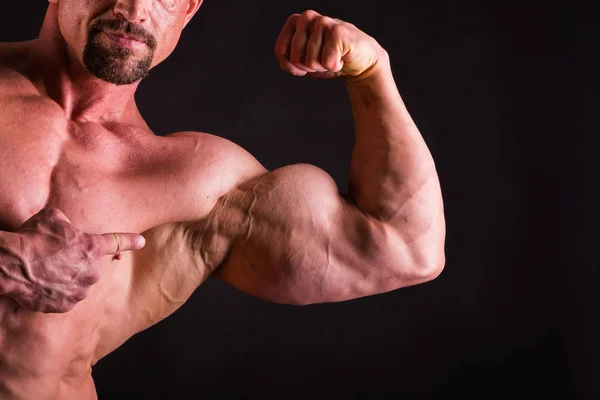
column 73, row 21
column 171, row 32
column 166, row 45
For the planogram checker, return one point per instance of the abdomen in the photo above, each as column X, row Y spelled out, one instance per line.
column 36, row 353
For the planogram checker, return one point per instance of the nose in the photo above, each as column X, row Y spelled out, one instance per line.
column 135, row 11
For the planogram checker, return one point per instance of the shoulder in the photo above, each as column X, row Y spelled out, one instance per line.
column 14, row 61
column 197, row 169
column 214, row 153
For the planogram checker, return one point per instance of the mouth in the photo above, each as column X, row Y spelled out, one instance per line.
column 124, row 39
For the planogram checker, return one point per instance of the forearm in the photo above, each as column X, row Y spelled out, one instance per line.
column 12, row 271
column 391, row 163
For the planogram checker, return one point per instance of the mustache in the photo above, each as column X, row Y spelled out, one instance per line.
column 122, row 26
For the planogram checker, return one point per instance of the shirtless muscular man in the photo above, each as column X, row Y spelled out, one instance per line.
column 80, row 166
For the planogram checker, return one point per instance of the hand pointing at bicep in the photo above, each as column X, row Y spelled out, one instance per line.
column 48, row 265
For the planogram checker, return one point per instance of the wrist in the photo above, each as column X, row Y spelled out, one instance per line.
column 375, row 73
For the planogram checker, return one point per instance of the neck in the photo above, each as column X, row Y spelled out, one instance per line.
column 66, row 81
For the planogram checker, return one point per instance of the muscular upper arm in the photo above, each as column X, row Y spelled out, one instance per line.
column 295, row 239
column 285, row 236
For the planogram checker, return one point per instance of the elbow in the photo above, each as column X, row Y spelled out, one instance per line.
column 428, row 265
column 426, row 254
column 418, row 265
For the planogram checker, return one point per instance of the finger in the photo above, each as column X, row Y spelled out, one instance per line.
column 314, row 47
column 298, row 47
column 286, row 65
column 331, row 57
column 113, row 243
column 282, row 45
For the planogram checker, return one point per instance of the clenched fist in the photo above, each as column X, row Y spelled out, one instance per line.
column 322, row 47
column 53, row 266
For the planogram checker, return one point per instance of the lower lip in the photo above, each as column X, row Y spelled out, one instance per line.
column 129, row 43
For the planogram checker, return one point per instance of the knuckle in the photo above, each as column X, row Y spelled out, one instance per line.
column 94, row 276
column 315, row 25
column 310, row 13
column 292, row 18
column 302, row 24
column 91, row 246
column 88, row 243
column 338, row 31
column 66, row 307
column 65, row 304
column 322, row 20
column 86, row 278
column 79, row 296
column 51, row 307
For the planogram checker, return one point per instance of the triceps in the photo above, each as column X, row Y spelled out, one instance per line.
column 164, row 274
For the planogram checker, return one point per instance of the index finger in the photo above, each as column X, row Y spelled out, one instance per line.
column 114, row 243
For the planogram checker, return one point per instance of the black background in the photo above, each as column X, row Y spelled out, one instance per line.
column 513, row 313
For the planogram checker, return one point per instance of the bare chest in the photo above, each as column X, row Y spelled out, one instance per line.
column 102, row 180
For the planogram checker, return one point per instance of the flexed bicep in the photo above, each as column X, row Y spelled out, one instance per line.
column 298, row 241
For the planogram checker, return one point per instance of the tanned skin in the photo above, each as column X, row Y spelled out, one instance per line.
column 106, row 228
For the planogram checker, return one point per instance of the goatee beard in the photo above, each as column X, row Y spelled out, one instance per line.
column 116, row 64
